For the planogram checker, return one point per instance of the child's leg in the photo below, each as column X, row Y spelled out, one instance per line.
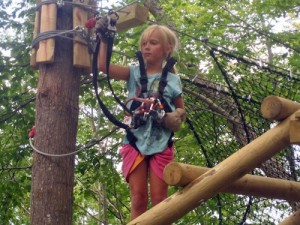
column 138, row 183
column 158, row 189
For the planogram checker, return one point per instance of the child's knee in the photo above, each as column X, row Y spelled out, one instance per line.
column 139, row 199
column 155, row 199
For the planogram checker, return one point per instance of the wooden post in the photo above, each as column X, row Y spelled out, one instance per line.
column 36, row 31
column 219, row 177
column 81, row 55
column 57, row 109
column 180, row 174
column 294, row 219
column 45, row 53
column 277, row 108
column 132, row 16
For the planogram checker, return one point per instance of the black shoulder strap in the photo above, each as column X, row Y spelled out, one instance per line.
column 143, row 78
column 162, row 84
column 163, row 80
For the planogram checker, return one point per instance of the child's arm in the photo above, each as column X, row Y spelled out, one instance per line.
column 115, row 71
column 174, row 119
column 178, row 102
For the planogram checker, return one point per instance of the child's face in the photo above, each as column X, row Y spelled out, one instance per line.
column 152, row 49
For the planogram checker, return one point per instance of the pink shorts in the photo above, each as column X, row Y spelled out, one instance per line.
column 131, row 158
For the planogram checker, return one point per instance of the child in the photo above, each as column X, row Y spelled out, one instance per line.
column 155, row 150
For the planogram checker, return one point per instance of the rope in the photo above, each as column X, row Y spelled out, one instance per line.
column 67, row 154
column 51, row 155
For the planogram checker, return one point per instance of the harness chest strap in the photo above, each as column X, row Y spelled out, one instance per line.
column 163, row 80
column 143, row 78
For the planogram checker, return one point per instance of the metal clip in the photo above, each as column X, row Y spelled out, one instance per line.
column 111, row 12
column 60, row 3
column 90, row 41
column 112, row 17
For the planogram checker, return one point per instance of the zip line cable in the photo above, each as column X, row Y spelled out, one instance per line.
column 205, row 41
column 228, row 53
column 253, row 62
column 245, row 59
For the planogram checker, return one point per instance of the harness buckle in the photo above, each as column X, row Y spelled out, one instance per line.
column 149, row 108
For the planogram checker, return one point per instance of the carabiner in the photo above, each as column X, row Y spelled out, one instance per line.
column 112, row 21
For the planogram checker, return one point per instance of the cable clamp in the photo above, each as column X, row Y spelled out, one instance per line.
column 112, row 17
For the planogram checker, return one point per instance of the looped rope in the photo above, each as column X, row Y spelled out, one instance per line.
column 31, row 137
column 51, row 155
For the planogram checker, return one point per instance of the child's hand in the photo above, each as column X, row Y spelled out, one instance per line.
column 174, row 119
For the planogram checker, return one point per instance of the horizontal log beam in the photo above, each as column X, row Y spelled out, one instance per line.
column 277, row 108
column 295, row 128
column 180, row 174
column 294, row 219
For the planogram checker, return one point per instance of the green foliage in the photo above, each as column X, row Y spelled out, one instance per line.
column 256, row 60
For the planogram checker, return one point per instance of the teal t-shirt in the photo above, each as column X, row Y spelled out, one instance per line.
column 152, row 139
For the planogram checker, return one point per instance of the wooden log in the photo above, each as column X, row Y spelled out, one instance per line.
column 131, row 16
column 294, row 219
column 295, row 128
column 277, row 108
column 81, row 55
column 36, row 31
column 45, row 53
column 180, row 174
column 219, row 177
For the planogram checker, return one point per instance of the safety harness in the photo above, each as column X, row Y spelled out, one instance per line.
column 158, row 106
column 143, row 106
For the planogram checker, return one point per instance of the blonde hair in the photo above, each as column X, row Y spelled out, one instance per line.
column 168, row 37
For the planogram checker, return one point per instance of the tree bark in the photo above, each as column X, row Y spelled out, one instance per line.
column 56, row 127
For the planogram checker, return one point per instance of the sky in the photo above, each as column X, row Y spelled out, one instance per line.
column 110, row 2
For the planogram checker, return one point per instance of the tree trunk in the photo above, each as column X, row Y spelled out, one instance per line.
column 56, row 127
